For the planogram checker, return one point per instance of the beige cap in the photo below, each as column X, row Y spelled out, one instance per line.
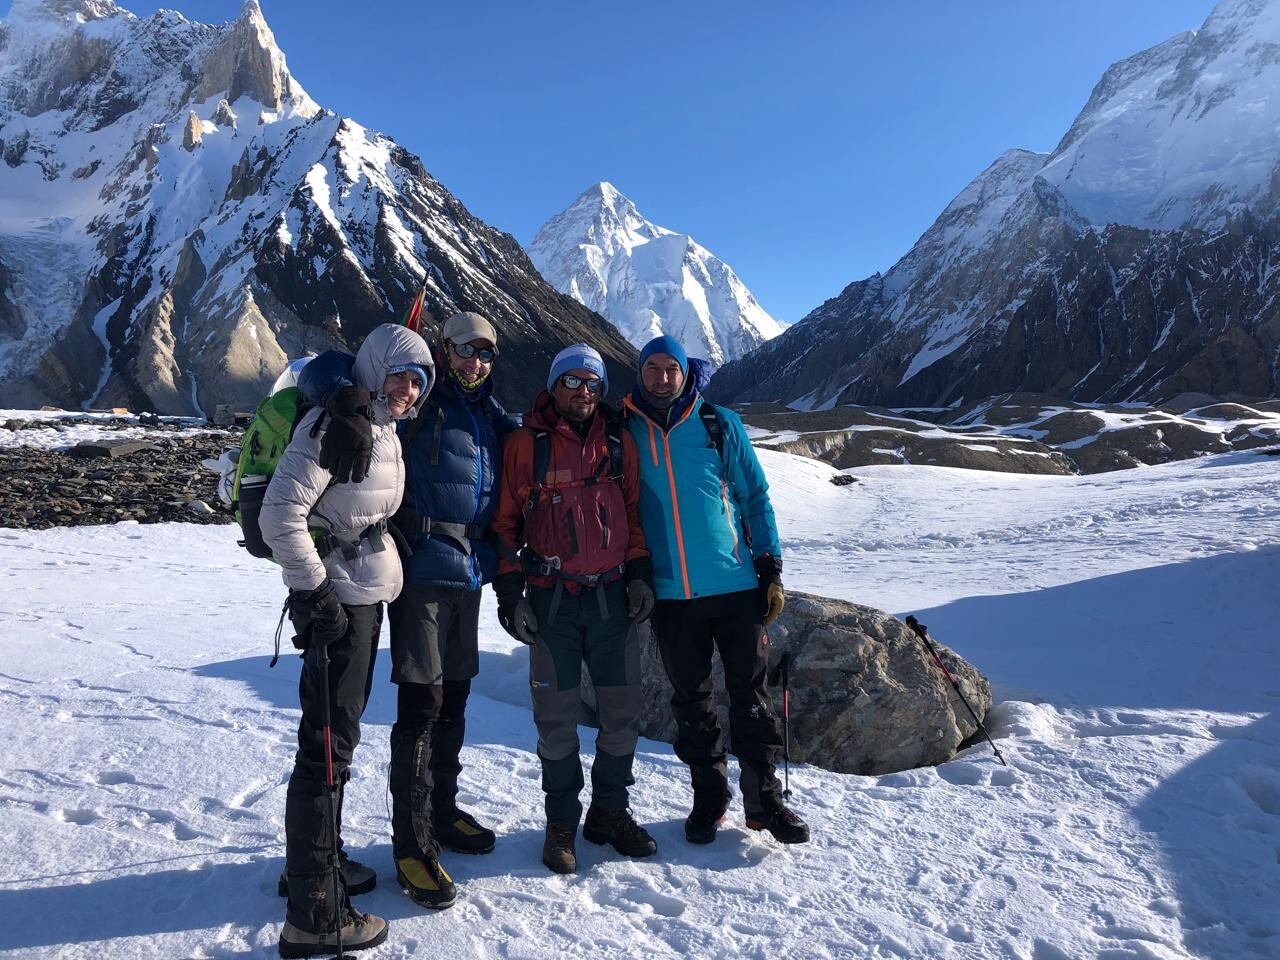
column 465, row 327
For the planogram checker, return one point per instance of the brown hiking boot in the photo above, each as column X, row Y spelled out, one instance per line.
column 360, row 931
column 558, row 851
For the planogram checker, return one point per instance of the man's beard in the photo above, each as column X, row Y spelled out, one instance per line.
column 658, row 403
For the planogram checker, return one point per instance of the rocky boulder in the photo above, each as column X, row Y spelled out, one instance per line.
column 866, row 697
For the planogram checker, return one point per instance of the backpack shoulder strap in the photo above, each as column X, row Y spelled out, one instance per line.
column 715, row 430
column 541, row 459
column 613, row 427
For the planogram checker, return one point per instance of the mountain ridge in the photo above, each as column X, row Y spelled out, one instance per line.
column 178, row 218
column 1131, row 263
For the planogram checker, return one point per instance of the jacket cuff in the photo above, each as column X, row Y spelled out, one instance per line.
column 769, row 567
column 509, row 587
column 640, row 568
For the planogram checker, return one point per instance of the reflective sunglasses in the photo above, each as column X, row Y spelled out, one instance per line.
column 570, row 382
column 467, row 350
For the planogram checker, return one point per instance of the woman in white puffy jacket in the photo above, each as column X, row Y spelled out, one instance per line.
column 340, row 565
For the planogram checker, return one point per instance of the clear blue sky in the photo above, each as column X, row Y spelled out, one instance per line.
column 807, row 144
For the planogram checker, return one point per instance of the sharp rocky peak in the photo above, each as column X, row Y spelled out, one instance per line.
column 62, row 11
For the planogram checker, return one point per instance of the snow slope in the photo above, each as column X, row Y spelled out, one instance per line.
column 648, row 280
column 1127, row 622
column 1133, row 262
column 178, row 218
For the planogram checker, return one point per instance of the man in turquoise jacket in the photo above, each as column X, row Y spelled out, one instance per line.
column 717, row 574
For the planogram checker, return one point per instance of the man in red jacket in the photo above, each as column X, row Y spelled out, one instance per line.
column 569, row 496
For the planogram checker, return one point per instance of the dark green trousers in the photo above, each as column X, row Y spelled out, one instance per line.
column 606, row 641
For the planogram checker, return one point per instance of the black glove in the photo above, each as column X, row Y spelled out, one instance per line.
column 514, row 611
column 317, row 615
column 346, row 449
column 769, row 587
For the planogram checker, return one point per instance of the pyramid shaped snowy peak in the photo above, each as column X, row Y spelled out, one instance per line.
column 1183, row 134
column 648, row 280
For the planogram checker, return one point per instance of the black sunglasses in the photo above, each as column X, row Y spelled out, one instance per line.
column 593, row 384
column 467, row 350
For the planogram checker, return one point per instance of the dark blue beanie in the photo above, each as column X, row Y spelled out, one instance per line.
column 671, row 347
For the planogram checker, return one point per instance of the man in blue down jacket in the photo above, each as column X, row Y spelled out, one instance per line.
column 453, row 459
column 717, row 573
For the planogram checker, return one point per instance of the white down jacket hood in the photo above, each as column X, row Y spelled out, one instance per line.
column 302, row 496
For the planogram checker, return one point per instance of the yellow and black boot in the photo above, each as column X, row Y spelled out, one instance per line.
column 463, row 833
column 426, row 882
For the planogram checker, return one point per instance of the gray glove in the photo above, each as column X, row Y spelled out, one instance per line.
column 639, row 600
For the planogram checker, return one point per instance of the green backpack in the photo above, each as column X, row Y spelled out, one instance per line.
column 264, row 442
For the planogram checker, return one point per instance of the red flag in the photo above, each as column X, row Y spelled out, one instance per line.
column 413, row 319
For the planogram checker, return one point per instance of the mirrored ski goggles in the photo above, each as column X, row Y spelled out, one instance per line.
column 570, row 382
column 468, row 350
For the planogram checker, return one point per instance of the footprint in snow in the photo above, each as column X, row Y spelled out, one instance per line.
column 962, row 774
column 110, row 778
column 79, row 816
column 635, row 892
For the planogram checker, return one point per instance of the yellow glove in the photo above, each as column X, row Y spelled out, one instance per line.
column 775, row 599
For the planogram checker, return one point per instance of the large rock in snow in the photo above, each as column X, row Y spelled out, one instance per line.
column 866, row 697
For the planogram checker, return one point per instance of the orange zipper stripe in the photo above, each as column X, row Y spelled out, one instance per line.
column 675, row 516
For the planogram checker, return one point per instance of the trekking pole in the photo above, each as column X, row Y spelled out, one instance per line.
column 331, row 784
column 783, row 669
column 922, row 632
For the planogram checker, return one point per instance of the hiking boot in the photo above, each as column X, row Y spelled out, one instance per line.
column 785, row 826
column 463, row 833
column 558, row 851
column 426, row 882
column 360, row 932
column 357, row 877
column 617, row 827
column 702, row 823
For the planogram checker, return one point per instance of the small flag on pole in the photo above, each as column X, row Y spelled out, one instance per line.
column 413, row 319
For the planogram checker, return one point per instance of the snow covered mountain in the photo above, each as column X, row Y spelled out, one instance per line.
column 648, row 280
column 178, row 217
column 1136, row 261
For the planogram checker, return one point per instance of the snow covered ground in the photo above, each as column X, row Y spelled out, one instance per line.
column 1127, row 620
column 61, row 430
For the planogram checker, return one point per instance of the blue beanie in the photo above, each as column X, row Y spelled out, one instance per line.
column 671, row 347
column 412, row 368
column 577, row 356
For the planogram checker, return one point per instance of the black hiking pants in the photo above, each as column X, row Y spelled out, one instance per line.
column 309, row 842
column 687, row 631
column 611, row 650
column 434, row 656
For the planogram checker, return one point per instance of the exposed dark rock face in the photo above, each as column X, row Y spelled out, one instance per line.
column 195, row 279
column 1136, row 261
column 1121, row 315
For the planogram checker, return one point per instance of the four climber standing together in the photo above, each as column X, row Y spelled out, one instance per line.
column 592, row 522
